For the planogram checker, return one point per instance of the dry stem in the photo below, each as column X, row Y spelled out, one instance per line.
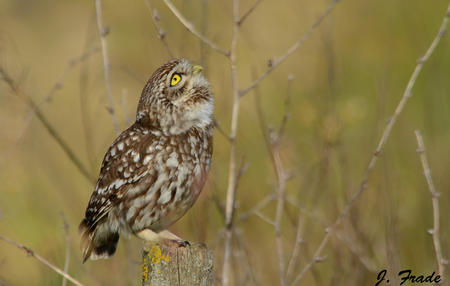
column 377, row 153
column 72, row 63
column 51, row 130
column 67, row 242
column 232, row 175
column 31, row 253
column 435, row 201
column 249, row 11
column 106, row 66
column 272, row 142
column 243, row 253
column 275, row 63
column 159, row 30
column 192, row 29
column 221, row 131
column 296, row 250
column 281, row 186
column 260, row 205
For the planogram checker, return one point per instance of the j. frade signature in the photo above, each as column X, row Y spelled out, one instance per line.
column 407, row 275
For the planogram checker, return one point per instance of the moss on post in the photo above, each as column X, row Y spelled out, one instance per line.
column 177, row 265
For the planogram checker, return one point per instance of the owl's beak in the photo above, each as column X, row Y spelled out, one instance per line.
column 196, row 69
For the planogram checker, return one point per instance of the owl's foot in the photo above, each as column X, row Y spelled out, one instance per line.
column 165, row 237
column 171, row 238
column 175, row 243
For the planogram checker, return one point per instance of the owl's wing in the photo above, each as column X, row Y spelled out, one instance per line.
column 125, row 163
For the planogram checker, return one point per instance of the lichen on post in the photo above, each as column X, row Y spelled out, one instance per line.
column 177, row 265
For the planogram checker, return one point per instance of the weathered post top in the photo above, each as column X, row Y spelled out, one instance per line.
column 177, row 265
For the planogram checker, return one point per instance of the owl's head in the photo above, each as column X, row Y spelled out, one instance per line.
column 176, row 98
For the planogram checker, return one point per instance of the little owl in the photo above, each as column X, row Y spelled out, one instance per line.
column 154, row 171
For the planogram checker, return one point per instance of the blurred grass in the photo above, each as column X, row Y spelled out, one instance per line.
column 348, row 77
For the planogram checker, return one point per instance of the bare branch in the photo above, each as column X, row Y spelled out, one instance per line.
column 296, row 250
column 72, row 63
column 287, row 103
column 67, row 241
column 242, row 168
column 133, row 75
column 159, row 30
column 435, row 201
column 31, row 253
column 281, row 186
column 106, row 66
column 306, row 212
column 193, row 30
column 381, row 143
column 365, row 260
column 271, row 139
column 249, row 11
column 51, row 130
column 275, row 63
column 204, row 24
column 260, row 205
column 243, row 253
column 232, row 175
column 265, row 218
column 83, row 95
column 219, row 128
column 124, row 103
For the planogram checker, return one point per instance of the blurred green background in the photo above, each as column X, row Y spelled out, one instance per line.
column 346, row 81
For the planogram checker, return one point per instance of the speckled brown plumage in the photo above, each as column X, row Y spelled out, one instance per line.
column 154, row 171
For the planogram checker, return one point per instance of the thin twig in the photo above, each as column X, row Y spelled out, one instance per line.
column 204, row 24
column 193, row 30
column 159, row 30
column 133, row 75
column 260, row 205
column 249, row 11
column 435, row 201
column 67, row 242
column 106, row 66
column 51, row 130
column 123, row 102
column 242, row 168
column 219, row 206
column 264, row 218
column 306, row 212
column 232, row 175
column 287, row 103
column 243, row 253
column 219, row 128
column 296, row 250
column 272, row 140
column 365, row 260
column 83, row 94
column 276, row 62
column 72, row 63
column 31, row 253
column 386, row 133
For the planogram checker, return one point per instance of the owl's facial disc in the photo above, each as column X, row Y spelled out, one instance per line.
column 176, row 98
column 191, row 94
column 182, row 81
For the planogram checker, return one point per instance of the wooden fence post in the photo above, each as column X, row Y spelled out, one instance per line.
column 189, row 265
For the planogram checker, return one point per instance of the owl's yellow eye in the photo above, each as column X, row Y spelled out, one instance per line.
column 176, row 78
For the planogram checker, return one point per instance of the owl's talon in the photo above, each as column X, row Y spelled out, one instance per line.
column 176, row 243
column 184, row 243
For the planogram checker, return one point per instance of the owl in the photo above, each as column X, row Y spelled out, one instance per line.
column 154, row 171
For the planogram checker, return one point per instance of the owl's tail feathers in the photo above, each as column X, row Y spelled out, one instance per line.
column 97, row 242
